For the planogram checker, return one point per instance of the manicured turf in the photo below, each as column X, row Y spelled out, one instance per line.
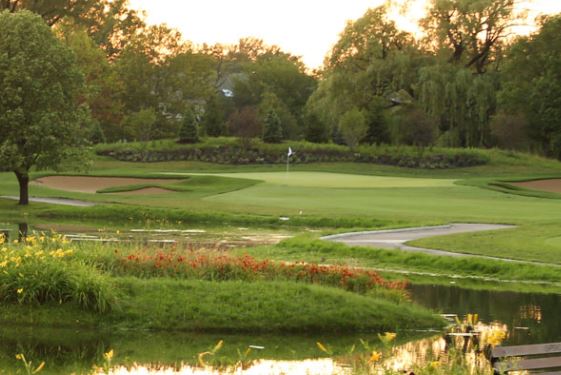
column 350, row 195
column 337, row 180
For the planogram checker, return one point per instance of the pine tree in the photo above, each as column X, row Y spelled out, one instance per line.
column 272, row 128
column 189, row 132
column 213, row 120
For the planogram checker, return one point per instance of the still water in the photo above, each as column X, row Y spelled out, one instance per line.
column 528, row 318
column 525, row 317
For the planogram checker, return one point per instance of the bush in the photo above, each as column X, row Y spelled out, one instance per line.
column 40, row 271
column 272, row 132
column 189, row 132
column 201, row 266
column 228, row 151
column 353, row 127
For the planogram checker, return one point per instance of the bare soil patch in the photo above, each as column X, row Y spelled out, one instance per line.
column 91, row 184
column 552, row 186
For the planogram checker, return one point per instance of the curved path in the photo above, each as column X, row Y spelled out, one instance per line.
column 398, row 238
column 59, row 201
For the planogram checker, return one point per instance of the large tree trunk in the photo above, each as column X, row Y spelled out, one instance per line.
column 23, row 180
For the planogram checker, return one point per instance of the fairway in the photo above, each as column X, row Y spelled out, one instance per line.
column 334, row 180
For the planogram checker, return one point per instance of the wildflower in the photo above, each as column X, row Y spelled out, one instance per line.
column 496, row 337
column 109, row 355
column 20, row 357
column 435, row 364
column 375, row 357
column 20, row 290
column 390, row 336
column 39, row 368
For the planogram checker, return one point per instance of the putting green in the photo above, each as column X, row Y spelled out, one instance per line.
column 335, row 180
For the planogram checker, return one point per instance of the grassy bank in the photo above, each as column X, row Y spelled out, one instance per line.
column 309, row 249
column 49, row 282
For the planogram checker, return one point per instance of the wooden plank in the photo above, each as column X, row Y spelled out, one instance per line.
column 522, row 350
column 528, row 364
column 550, row 373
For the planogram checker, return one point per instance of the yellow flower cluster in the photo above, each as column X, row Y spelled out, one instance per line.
column 33, row 249
column 496, row 336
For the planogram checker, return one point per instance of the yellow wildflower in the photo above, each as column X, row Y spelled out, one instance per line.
column 39, row 368
column 390, row 336
column 496, row 337
column 20, row 357
column 375, row 357
column 322, row 347
column 20, row 290
column 109, row 355
column 435, row 364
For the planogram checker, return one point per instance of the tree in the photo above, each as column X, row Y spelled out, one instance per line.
column 353, row 127
column 245, row 124
column 139, row 125
column 214, row 122
column 39, row 116
column 472, row 31
column 189, row 132
column 413, row 127
column 272, row 132
column 532, row 84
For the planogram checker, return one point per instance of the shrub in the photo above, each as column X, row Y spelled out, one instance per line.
column 189, row 132
column 272, row 132
column 353, row 127
column 195, row 265
column 40, row 271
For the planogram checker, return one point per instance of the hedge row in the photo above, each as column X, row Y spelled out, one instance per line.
column 276, row 154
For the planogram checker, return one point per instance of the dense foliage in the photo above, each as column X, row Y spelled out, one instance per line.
column 467, row 83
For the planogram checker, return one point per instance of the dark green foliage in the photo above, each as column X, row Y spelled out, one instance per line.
column 214, row 121
column 532, row 85
column 41, row 120
column 97, row 135
column 377, row 124
column 227, row 151
column 189, row 132
column 272, row 129
column 316, row 131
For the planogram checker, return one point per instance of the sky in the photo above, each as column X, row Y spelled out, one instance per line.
column 306, row 28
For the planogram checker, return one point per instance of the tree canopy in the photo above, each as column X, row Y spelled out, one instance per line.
column 40, row 119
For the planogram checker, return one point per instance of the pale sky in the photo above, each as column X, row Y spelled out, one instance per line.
column 307, row 28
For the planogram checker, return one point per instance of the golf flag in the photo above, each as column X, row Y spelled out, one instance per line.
column 289, row 152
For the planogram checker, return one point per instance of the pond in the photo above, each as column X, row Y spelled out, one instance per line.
column 526, row 317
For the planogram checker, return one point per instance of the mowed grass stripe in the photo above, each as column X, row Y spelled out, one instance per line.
column 334, row 180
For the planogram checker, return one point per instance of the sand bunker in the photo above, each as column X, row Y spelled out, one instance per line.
column 91, row 184
column 552, row 186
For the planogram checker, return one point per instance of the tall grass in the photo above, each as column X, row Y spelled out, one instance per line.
column 41, row 270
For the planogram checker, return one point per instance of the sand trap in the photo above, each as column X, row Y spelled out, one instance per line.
column 552, row 186
column 146, row 191
column 87, row 184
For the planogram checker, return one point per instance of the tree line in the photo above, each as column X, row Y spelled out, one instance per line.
column 76, row 71
column 467, row 83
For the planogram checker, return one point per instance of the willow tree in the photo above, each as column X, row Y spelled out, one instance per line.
column 39, row 116
column 472, row 31
column 371, row 60
column 461, row 102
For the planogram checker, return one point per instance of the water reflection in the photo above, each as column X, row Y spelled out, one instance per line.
column 531, row 317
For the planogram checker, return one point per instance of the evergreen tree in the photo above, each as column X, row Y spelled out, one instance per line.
column 189, row 132
column 214, row 119
column 272, row 128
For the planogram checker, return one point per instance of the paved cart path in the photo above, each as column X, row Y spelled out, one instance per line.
column 398, row 239
column 59, row 201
